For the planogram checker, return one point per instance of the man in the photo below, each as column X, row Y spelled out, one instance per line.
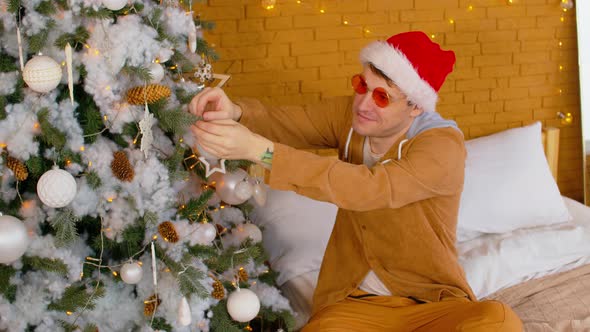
column 391, row 262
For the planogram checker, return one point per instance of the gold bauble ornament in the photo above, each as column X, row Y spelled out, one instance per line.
column 121, row 167
column 168, row 231
column 150, row 94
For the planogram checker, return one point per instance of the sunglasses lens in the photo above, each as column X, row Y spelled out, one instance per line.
column 380, row 97
column 359, row 85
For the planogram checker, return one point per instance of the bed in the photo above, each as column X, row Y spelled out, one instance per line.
column 519, row 240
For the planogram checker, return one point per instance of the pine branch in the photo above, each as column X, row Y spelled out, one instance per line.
column 188, row 282
column 66, row 155
column 221, row 322
column 195, row 207
column 150, row 218
column 141, row 72
column 184, row 97
column 93, row 180
column 101, row 14
column 284, row 316
column 202, row 251
column 76, row 297
column 49, row 134
column 37, row 41
column 188, row 278
column 36, row 166
column 269, row 278
column 76, row 39
column 175, row 121
column 46, row 8
column 233, row 165
column 46, row 264
column 160, row 324
column 204, row 48
column 3, row 103
column 246, row 208
column 229, row 258
column 7, row 63
column 64, row 224
column 184, row 64
column 68, row 327
column 7, row 289
column 174, row 164
column 13, row 5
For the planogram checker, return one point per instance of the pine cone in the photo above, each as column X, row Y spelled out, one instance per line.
column 152, row 93
column 18, row 168
column 151, row 305
column 121, row 167
column 243, row 274
column 168, row 231
column 218, row 292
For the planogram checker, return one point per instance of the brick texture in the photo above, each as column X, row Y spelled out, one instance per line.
column 507, row 72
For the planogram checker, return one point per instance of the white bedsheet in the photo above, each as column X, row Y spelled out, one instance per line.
column 496, row 261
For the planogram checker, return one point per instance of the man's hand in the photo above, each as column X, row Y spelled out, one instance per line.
column 213, row 104
column 228, row 139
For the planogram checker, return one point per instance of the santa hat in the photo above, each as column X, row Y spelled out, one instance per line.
column 416, row 64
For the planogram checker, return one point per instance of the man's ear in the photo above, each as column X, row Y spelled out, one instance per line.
column 416, row 111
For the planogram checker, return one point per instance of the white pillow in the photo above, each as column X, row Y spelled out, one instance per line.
column 296, row 232
column 508, row 184
column 496, row 261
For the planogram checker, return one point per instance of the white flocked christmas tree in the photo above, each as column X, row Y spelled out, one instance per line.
column 109, row 220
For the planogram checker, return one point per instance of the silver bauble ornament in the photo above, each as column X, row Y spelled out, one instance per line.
column 207, row 233
column 243, row 305
column 56, row 188
column 259, row 193
column 131, row 273
column 42, row 73
column 183, row 313
column 226, row 186
column 157, row 72
column 114, row 4
column 244, row 190
column 14, row 239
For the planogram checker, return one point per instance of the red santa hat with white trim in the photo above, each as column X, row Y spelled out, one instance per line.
column 416, row 64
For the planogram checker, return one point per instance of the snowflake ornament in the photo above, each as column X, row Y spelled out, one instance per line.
column 203, row 72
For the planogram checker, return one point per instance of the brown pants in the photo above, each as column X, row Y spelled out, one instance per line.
column 392, row 313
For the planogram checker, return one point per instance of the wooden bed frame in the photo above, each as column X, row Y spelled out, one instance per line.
column 551, row 145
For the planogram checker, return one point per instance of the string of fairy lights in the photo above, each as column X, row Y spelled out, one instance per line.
column 564, row 5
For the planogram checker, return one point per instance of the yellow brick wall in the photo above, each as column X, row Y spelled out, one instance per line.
column 508, row 58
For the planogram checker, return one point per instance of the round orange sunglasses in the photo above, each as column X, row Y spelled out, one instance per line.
column 380, row 96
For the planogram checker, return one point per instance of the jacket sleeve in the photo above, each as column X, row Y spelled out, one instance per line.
column 433, row 165
column 301, row 127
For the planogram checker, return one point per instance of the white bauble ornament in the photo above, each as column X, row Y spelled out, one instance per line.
column 259, row 193
column 252, row 231
column 42, row 73
column 131, row 273
column 226, row 186
column 157, row 72
column 114, row 4
column 207, row 233
column 14, row 239
column 244, row 190
column 56, row 188
column 183, row 313
column 243, row 305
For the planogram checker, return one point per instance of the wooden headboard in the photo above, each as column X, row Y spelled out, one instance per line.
column 551, row 144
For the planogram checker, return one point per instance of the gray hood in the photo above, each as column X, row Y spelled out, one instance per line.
column 429, row 120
